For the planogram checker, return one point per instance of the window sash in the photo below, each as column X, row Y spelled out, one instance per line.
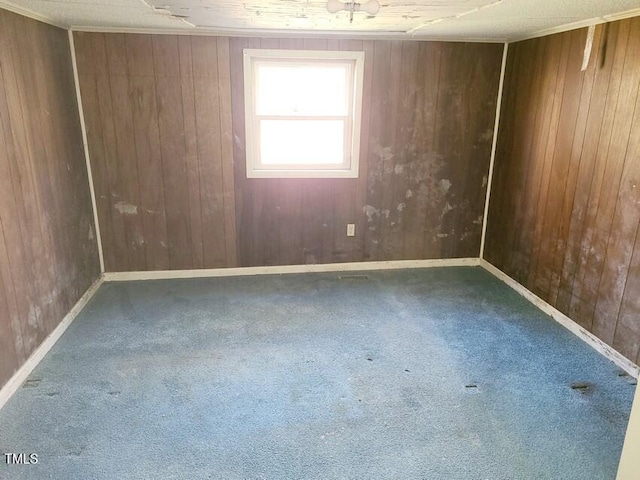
column 353, row 64
column 346, row 147
column 348, row 67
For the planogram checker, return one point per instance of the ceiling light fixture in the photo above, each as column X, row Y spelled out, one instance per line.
column 371, row 7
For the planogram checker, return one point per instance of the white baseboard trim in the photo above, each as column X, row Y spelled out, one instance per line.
column 285, row 269
column 600, row 346
column 21, row 375
column 25, row 370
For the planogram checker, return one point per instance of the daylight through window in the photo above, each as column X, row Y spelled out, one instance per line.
column 302, row 112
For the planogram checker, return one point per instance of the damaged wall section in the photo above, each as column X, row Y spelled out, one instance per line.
column 165, row 118
column 427, row 128
column 48, row 251
column 564, row 218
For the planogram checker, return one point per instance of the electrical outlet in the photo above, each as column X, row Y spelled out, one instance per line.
column 351, row 229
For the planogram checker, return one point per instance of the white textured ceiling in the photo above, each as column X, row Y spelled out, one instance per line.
column 497, row 20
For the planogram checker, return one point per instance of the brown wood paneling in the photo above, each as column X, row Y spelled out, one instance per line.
column 584, row 202
column 426, row 136
column 173, row 153
column 168, row 153
column 48, row 252
column 191, row 151
column 158, row 114
column 166, row 138
column 564, row 212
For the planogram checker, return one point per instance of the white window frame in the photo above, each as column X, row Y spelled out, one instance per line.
column 349, row 169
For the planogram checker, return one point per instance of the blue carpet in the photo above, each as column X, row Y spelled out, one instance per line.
column 412, row 374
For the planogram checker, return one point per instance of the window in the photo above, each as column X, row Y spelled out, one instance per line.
column 302, row 113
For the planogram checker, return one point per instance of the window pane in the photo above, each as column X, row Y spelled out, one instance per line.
column 306, row 89
column 302, row 142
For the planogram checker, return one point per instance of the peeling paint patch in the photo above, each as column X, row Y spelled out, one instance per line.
column 401, row 206
column 445, row 185
column 409, row 194
column 126, row 208
column 478, row 221
column 485, row 180
column 34, row 315
column 384, row 153
column 139, row 239
column 398, row 169
column 447, row 208
column 487, row 135
column 91, row 235
column 370, row 212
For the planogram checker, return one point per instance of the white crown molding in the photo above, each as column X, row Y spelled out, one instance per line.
column 25, row 12
column 267, row 33
column 581, row 24
column 338, row 34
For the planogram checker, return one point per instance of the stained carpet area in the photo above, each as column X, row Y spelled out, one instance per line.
column 412, row 374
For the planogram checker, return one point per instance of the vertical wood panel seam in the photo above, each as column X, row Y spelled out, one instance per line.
column 85, row 145
column 579, row 269
column 197, row 144
column 615, row 106
column 224, row 223
column 435, row 125
column 160, row 149
column 126, row 253
column 222, row 160
column 494, row 143
column 184, row 141
column 626, row 281
column 17, row 65
column 139, row 219
column 543, row 142
column 14, row 334
column 224, row 199
column 537, row 85
column 615, row 208
column 550, row 148
column 595, row 62
column 9, row 137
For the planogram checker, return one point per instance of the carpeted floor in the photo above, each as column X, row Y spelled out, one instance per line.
column 413, row 374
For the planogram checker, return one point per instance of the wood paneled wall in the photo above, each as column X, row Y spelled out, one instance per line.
column 427, row 127
column 48, row 253
column 565, row 203
column 165, row 120
column 158, row 116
